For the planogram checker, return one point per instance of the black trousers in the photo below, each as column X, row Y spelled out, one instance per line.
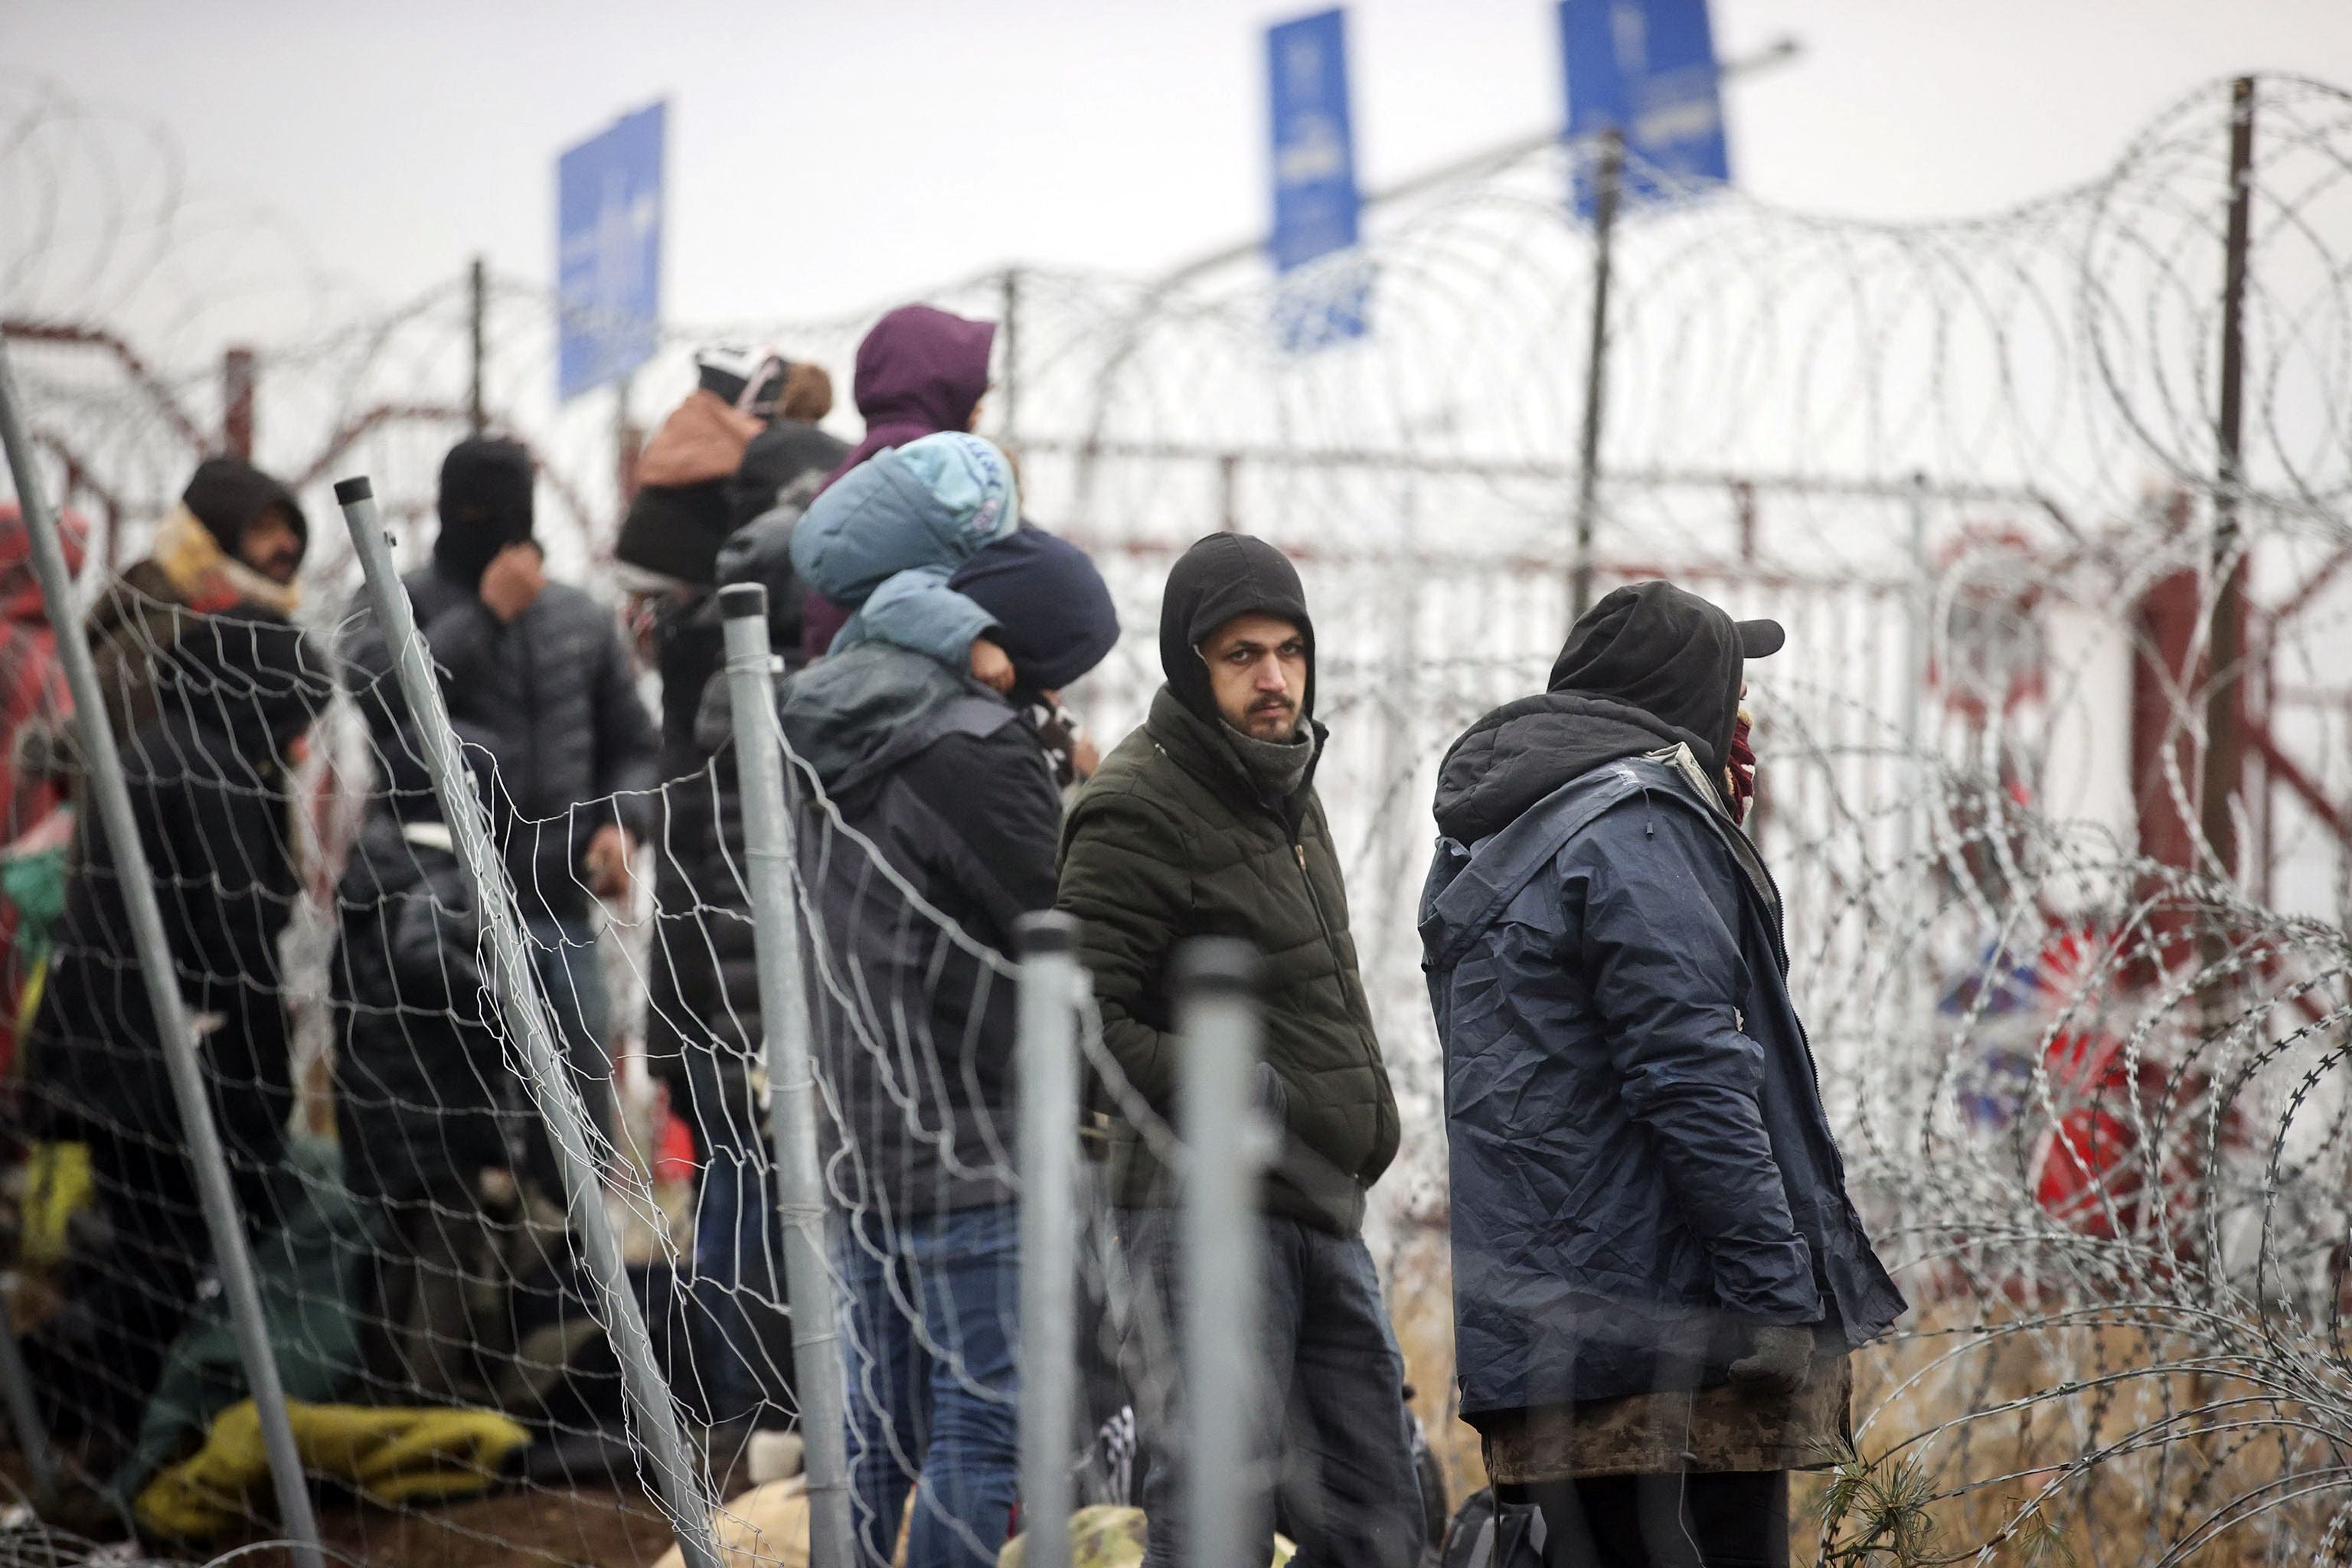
column 138, row 1297
column 1737, row 1518
column 1329, row 1455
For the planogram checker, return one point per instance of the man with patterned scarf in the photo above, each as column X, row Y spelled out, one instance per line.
column 236, row 539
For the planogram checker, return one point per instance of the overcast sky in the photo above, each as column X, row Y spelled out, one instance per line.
column 828, row 156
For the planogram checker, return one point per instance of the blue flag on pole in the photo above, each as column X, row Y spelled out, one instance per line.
column 1648, row 69
column 1317, row 204
column 608, row 224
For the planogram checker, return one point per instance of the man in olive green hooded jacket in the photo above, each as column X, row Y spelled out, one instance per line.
column 1204, row 823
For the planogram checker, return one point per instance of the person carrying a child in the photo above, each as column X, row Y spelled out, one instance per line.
column 885, row 540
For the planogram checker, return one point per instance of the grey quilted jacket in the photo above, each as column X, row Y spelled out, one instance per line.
column 554, row 691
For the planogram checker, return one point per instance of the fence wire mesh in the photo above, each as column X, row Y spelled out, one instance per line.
column 2083, row 1023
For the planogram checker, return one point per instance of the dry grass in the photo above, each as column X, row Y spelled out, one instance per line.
column 2006, row 1437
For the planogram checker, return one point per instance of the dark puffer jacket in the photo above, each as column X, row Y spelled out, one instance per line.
column 424, row 1096
column 915, row 1032
column 420, row 1076
column 555, row 691
column 1173, row 840
column 1642, row 1167
column 209, row 794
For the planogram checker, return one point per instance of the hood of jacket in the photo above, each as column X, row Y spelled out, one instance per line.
column 854, row 716
column 920, row 369
column 20, row 591
column 485, row 505
column 1053, row 614
column 1650, row 666
column 703, row 439
column 228, row 494
column 253, row 675
column 932, row 502
column 1222, row 576
column 1668, row 652
column 1523, row 750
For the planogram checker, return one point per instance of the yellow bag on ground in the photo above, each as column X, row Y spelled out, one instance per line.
column 392, row 1456
column 56, row 1187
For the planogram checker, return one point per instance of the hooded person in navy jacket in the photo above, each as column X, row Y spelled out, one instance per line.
column 1658, row 1275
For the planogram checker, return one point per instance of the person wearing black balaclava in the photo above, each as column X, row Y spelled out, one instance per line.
column 539, row 671
column 1206, row 822
column 1657, row 1272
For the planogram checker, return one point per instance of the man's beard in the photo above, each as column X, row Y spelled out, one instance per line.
column 1271, row 720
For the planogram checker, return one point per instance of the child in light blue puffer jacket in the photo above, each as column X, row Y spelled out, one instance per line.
column 885, row 537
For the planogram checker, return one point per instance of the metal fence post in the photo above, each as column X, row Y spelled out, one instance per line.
column 817, row 1366
column 522, row 997
column 1216, row 1017
column 1605, row 199
column 102, row 765
column 1048, row 1025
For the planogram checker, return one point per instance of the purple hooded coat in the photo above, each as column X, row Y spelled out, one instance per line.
column 920, row 369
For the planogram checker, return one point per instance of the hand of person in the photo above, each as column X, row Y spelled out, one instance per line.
column 1086, row 757
column 991, row 664
column 513, row 581
column 608, row 859
column 1777, row 1363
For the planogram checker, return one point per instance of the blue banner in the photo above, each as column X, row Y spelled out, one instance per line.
column 1317, row 204
column 1647, row 69
column 608, row 224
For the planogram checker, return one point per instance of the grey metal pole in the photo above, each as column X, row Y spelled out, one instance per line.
column 1009, row 376
column 817, row 1366
column 1596, row 369
column 1050, row 982
column 102, row 767
column 1918, row 773
column 2224, row 760
column 525, row 1004
column 1224, row 1146
column 1916, row 658
column 477, row 417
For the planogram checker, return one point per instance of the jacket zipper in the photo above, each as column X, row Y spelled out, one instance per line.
column 1331, row 943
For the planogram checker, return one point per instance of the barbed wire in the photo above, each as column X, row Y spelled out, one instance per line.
column 2088, row 1070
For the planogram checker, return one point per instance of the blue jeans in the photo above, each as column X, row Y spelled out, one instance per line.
column 743, row 1332
column 1329, row 1451
column 932, row 1327
column 565, row 955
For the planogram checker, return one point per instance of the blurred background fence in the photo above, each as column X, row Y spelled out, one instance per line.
column 2057, row 767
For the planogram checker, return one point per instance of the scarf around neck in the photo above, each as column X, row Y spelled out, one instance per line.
column 1276, row 767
